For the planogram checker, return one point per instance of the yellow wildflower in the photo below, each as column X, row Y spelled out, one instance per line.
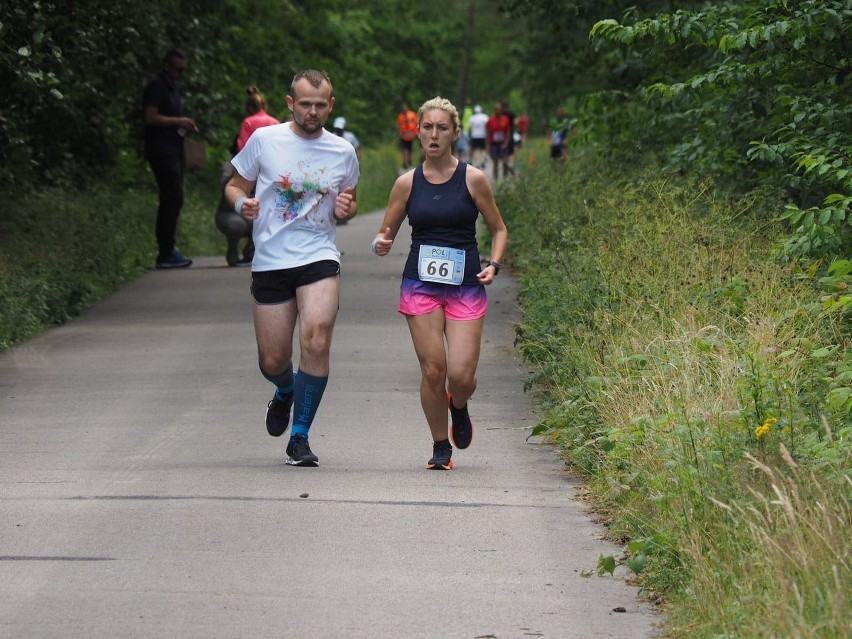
column 765, row 427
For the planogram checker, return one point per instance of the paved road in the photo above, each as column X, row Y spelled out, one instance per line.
column 140, row 495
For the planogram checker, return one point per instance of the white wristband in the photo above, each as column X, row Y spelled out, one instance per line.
column 238, row 205
column 374, row 245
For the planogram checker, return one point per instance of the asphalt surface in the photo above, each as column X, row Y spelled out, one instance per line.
column 140, row 495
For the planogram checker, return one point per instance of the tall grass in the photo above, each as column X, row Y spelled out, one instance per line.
column 69, row 250
column 790, row 543
column 687, row 376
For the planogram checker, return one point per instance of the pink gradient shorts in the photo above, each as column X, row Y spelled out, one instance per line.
column 465, row 302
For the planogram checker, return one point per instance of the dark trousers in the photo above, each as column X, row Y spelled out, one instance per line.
column 168, row 171
column 235, row 227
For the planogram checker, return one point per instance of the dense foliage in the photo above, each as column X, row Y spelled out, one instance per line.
column 758, row 94
column 701, row 387
column 72, row 72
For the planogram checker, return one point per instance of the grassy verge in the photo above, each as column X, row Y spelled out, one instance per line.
column 702, row 388
column 71, row 248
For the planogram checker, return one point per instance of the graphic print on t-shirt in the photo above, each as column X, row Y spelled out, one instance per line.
column 300, row 192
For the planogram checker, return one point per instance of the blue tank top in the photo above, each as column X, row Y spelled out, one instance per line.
column 442, row 215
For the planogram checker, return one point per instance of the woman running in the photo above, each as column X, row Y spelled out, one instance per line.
column 442, row 295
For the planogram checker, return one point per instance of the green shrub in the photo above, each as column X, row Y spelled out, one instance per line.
column 675, row 361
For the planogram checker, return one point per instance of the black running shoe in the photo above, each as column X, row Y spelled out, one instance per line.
column 300, row 452
column 462, row 428
column 442, row 456
column 173, row 260
column 278, row 415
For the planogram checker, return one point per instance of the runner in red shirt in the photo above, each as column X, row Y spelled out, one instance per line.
column 498, row 131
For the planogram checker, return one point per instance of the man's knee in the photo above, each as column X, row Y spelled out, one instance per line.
column 284, row 375
column 316, row 344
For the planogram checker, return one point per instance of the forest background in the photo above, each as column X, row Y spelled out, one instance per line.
column 684, row 273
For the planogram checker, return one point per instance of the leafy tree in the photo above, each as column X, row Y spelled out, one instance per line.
column 72, row 72
column 563, row 67
column 765, row 103
column 54, row 103
column 395, row 50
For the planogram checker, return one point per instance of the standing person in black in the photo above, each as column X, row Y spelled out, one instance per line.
column 165, row 128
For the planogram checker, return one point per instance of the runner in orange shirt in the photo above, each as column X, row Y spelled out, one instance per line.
column 407, row 123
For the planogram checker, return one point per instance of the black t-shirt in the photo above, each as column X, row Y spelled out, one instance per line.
column 163, row 140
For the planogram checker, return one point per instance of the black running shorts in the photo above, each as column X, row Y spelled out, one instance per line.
column 277, row 287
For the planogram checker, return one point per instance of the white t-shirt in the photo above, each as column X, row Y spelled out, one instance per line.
column 477, row 125
column 297, row 183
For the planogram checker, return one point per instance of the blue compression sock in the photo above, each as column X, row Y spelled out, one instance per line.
column 284, row 393
column 307, row 393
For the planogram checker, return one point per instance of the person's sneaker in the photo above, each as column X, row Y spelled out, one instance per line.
column 278, row 415
column 442, row 456
column 462, row 428
column 300, row 452
column 173, row 260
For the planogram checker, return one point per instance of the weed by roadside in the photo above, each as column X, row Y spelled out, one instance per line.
column 679, row 367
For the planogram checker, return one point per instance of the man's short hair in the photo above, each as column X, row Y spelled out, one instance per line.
column 314, row 76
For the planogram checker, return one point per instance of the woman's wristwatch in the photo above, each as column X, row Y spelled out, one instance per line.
column 496, row 266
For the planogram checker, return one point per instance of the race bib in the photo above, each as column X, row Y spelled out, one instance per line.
column 441, row 264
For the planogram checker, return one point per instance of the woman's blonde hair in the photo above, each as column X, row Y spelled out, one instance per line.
column 255, row 103
column 444, row 105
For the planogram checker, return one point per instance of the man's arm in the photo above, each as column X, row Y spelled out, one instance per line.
column 151, row 115
column 346, row 204
column 236, row 191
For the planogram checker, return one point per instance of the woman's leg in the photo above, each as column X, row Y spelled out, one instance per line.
column 464, row 340
column 427, row 335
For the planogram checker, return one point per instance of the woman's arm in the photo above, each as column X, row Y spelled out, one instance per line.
column 483, row 196
column 394, row 214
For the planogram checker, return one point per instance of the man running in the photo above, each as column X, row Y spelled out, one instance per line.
column 305, row 179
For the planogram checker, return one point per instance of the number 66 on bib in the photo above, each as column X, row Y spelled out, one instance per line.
column 441, row 264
